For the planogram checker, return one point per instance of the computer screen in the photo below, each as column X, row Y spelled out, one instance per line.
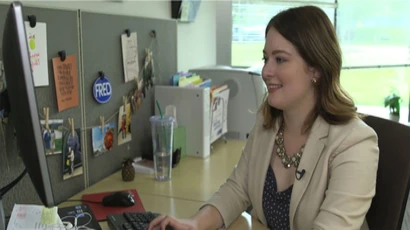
column 23, row 103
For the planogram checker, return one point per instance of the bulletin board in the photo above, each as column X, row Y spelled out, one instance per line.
column 99, row 30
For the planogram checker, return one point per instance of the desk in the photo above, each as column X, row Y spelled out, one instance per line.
column 205, row 176
column 177, row 197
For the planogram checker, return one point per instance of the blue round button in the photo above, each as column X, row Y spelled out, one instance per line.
column 102, row 90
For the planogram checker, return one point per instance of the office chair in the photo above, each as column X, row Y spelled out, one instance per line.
column 393, row 176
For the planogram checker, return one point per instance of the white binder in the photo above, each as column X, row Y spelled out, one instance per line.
column 193, row 112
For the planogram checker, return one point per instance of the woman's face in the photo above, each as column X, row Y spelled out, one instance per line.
column 288, row 78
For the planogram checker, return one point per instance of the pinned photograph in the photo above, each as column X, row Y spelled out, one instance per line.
column 72, row 154
column 124, row 124
column 103, row 140
column 52, row 136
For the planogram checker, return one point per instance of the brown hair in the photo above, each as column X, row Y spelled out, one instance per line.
column 309, row 29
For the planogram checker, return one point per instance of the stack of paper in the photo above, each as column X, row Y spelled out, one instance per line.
column 183, row 79
column 143, row 166
column 219, row 97
column 34, row 217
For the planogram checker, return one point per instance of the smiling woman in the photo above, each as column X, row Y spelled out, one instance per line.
column 299, row 168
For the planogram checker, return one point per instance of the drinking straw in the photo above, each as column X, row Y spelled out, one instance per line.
column 163, row 128
column 159, row 108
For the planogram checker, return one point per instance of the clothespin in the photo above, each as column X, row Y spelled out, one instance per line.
column 46, row 116
column 124, row 101
column 71, row 123
column 102, row 124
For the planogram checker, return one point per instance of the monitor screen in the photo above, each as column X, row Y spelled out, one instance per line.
column 23, row 103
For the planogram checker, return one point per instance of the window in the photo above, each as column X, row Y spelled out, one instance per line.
column 249, row 20
column 374, row 34
column 374, row 38
column 375, row 42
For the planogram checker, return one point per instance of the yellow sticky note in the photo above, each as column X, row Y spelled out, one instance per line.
column 48, row 216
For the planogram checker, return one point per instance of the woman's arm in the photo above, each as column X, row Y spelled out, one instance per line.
column 232, row 197
column 208, row 218
column 352, row 182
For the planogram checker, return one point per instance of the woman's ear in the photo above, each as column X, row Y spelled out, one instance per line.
column 315, row 73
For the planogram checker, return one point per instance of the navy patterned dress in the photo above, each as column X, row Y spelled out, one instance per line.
column 275, row 204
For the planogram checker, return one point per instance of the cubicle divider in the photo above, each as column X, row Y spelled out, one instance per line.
column 102, row 52
column 62, row 34
column 94, row 39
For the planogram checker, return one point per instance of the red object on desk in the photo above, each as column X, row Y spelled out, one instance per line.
column 100, row 211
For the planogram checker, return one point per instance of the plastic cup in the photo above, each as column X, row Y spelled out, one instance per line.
column 162, row 139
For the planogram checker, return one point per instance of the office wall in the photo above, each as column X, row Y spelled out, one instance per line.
column 197, row 40
column 141, row 8
column 224, row 32
column 196, row 44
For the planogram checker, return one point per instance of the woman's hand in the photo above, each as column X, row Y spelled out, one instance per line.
column 168, row 222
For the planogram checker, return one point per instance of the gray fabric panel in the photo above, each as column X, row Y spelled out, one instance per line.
column 102, row 52
column 62, row 34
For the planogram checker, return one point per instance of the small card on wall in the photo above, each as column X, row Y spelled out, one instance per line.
column 72, row 155
column 65, row 77
column 124, row 124
column 103, row 140
column 53, row 136
column 37, row 44
column 130, row 56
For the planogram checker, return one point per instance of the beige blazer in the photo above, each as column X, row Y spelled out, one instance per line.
column 340, row 163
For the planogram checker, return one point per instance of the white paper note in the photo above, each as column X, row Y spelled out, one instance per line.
column 130, row 56
column 34, row 217
column 37, row 46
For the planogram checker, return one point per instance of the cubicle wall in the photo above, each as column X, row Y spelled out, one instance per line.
column 62, row 34
column 95, row 40
column 98, row 30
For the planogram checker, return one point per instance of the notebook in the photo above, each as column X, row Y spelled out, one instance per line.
column 101, row 212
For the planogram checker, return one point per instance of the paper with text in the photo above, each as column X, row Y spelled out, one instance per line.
column 37, row 46
column 219, row 113
column 34, row 217
column 65, row 77
column 130, row 56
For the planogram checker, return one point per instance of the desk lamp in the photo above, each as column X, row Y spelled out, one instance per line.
column 23, row 107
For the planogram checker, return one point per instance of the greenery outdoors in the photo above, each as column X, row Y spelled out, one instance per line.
column 367, row 86
column 370, row 35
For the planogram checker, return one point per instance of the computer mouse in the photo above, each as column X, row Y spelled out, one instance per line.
column 119, row 199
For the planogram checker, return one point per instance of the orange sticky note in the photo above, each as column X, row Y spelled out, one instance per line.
column 65, row 77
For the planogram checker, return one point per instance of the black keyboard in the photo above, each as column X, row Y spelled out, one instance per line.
column 130, row 220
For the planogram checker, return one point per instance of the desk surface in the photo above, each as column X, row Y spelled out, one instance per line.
column 205, row 176
column 177, row 197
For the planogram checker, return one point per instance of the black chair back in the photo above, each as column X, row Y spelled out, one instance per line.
column 393, row 176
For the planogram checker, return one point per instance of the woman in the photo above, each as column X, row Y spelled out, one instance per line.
column 308, row 130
